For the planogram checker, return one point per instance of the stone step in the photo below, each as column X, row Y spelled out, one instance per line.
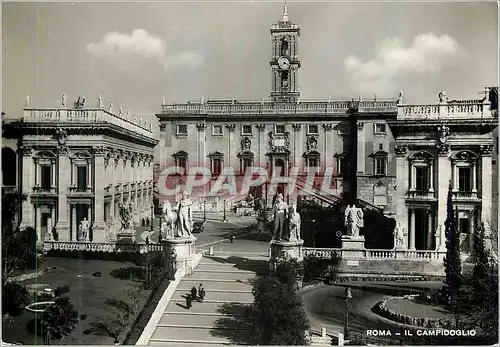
column 186, row 334
column 179, row 296
column 214, row 285
column 227, row 267
column 187, row 343
column 205, row 307
column 183, row 320
column 200, row 276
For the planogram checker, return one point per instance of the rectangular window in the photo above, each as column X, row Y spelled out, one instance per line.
column 216, row 166
column 247, row 162
column 81, row 182
column 464, row 179
column 421, row 178
column 280, row 129
column 380, row 128
column 46, row 179
column 312, row 162
column 182, row 129
column 380, row 166
column 181, row 162
column 312, row 129
column 217, row 130
column 246, row 129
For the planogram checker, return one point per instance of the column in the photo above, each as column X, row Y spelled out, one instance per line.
column 123, row 163
column 98, row 224
column 112, row 169
column 429, row 229
column 62, row 226
column 472, row 224
column 361, row 147
column 38, row 225
column 27, row 183
column 444, row 180
column 413, row 229
column 401, row 188
column 455, row 178
column 431, row 177
column 413, row 178
column 74, row 224
column 474, row 177
column 486, row 187
column 53, row 174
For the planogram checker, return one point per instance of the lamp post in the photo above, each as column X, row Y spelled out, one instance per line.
column 225, row 220
column 347, row 297
column 152, row 217
column 204, row 210
column 314, row 233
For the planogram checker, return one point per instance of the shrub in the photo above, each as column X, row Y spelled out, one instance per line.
column 315, row 267
column 61, row 290
column 14, row 297
column 60, row 319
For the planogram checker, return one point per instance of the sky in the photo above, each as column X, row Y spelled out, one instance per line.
column 135, row 54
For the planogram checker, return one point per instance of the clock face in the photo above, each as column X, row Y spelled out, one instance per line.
column 283, row 63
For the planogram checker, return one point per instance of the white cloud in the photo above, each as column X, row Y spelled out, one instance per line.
column 131, row 51
column 393, row 61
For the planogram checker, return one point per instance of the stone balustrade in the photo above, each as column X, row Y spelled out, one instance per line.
column 101, row 247
column 376, row 253
column 90, row 116
column 468, row 109
column 271, row 108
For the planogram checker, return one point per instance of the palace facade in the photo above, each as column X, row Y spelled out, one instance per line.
column 386, row 155
column 75, row 163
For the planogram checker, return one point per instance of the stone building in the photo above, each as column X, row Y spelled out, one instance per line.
column 387, row 156
column 443, row 145
column 349, row 137
column 77, row 163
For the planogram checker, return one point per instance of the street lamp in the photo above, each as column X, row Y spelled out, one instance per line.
column 152, row 217
column 204, row 210
column 347, row 297
column 314, row 233
column 225, row 220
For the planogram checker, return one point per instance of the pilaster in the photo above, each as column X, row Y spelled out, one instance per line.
column 486, row 187
column 444, row 179
column 28, row 182
column 64, row 178
column 99, row 226
column 360, row 138
column 401, row 189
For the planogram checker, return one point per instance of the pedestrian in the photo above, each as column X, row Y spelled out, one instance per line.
column 201, row 292
column 231, row 238
column 193, row 293
column 188, row 301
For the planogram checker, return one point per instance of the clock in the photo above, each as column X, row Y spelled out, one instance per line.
column 283, row 63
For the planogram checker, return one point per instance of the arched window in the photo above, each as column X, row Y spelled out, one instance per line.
column 81, row 169
column 284, row 46
column 9, row 167
column 464, row 172
column 45, row 174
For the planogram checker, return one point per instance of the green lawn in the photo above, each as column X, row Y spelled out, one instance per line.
column 87, row 292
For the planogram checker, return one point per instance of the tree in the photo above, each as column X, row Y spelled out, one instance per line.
column 18, row 247
column 481, row 272
column 452, row 262
column 278, row 316
column 59, row 319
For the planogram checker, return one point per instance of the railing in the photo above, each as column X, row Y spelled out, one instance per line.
column 44, row 190
column 468, row 109
column 302, row 107
column 327, row 253
column 101, row 247
column 85, row 116
column 80, row 190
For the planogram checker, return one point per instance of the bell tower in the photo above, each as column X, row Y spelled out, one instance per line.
column 285, row 61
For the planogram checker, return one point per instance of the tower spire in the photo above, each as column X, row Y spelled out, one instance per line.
column 285, row 12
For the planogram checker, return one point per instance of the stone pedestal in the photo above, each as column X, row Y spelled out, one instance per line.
column 181, row 255
column 125, row 236
column 353, row 246
column 281, row 250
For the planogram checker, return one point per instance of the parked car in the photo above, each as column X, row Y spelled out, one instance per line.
column 198, row 227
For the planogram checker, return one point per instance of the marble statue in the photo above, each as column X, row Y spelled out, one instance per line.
column 353, row 220
column 443, row 98
column 398, row 237
column 280, row 210
column 84, row 229
column 293, row 224
column 400, row 98
column 169, row 220
column 125, row 216
column 27, row 101
column 110, row 107
column 99, row 101
column 184, row 217
column 64, row 97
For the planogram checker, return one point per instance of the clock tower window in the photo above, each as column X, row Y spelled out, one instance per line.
column 284, row 46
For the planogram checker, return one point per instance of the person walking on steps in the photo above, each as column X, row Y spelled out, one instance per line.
column 193, row 293
column 201, row 292
column 189, row 301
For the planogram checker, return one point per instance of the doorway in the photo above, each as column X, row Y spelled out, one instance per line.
column 464, row 230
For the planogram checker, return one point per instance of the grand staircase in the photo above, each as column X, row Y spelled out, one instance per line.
column 217, row 320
